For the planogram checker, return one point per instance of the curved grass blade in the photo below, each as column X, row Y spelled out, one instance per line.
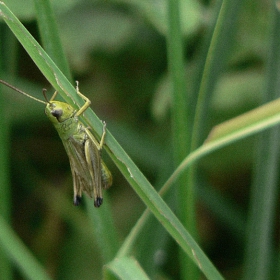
column 125, row 268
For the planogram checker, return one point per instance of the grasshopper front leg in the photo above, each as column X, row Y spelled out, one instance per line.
column 87, row 101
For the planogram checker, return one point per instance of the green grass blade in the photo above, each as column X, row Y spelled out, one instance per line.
column 5, row 198
column 218, row 52
column 181, row 121
column 248, row 123
column 181, row 128
column 264, row 193
column 163, row 213
column 205, row 50
column 39, row 56
column 19, row 254
column 226, row 133
column 105, row 232
column 49, row 35
column 124, row 268
column 127, row 246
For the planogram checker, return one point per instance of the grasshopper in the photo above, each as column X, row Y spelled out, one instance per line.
column 89, row 172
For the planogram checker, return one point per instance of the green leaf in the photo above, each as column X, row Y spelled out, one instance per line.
column 19, row 253
column 25, row 12
column 226, row 133
column 49, row 34
column 125, row 268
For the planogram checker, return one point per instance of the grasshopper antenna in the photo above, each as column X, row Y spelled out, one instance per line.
column 22, row 92
column 45, row 95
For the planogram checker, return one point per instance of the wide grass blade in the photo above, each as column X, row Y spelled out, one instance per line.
column 104, row 230
column 5, row 198
column 125, row 268
column 226, row 133
column 19, row 254
column 259, row 250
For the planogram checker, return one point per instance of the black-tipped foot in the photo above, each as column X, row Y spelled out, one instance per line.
column 98, row 201
column 77, row 200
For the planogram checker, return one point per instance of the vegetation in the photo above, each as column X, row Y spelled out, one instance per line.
column 181, row 86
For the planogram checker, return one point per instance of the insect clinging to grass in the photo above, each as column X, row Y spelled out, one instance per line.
column 89, row 172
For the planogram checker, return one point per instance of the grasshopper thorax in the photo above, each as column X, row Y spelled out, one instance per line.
column 58, row 111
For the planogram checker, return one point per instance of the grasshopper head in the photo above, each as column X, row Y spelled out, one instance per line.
column 58, row 111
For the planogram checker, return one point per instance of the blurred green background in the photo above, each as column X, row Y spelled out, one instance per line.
column 117, row 51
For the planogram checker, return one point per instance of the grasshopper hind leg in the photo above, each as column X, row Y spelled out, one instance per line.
column 77, row 187
column 98, row 201
column 93, row 160
column 77, row 200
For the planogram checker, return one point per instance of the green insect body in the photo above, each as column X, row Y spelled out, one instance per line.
column 89, row 172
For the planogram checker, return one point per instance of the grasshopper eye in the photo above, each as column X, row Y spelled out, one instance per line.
column 57, row 113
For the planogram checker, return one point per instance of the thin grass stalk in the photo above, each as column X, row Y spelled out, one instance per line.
column 181, row 128
column 5, row 197
column 19, row 254
column 215, row 61
column 204, row 51
column 103, row 226
column 259, row 246
column 219, row 49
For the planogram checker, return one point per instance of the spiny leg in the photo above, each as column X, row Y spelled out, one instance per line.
column 103, row 136
column 77, row 186
column 94, row 166
column 83, row 108
column 87, row 101
column 92, row 138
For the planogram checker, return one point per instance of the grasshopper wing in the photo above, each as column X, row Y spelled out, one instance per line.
column 85, row 163
column 106, row 176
